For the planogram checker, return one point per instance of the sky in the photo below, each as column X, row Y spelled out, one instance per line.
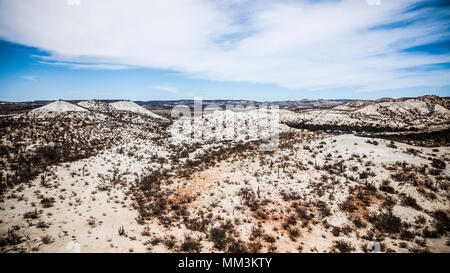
column 223, row 49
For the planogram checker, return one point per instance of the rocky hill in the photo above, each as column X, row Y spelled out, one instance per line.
column 97, row 106
column 133, row 107
column 401, row 114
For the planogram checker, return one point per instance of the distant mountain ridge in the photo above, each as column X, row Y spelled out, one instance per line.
column 304, row 103
column 346, row 104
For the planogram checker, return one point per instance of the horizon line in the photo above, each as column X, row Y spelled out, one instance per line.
column 193, row 99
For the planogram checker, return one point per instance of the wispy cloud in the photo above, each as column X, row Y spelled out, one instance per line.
column 169, row 89
column 28, row 77
column 360, row 44
column 95, row 66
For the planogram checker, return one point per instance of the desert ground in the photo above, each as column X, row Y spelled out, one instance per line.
column 117, row 177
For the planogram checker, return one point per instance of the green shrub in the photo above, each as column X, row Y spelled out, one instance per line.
column 386, row 222
column 219, row 237
column 343, row 246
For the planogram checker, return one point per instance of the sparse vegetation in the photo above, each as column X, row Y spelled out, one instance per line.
column 346, row 183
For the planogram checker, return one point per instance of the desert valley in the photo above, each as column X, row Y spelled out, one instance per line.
column 345, row 176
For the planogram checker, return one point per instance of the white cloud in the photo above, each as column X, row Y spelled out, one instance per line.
column 373, row 2
column 28, row 77
column 95, row 66
column 166, row 88
column 300, row 44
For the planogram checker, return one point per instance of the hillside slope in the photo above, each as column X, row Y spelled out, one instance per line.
column 133, row 107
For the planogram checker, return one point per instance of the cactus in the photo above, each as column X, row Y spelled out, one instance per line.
column 43, row 176
column 121, row 231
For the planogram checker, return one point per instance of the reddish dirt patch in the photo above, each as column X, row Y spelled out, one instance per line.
column 201, row 183
column 359, row 200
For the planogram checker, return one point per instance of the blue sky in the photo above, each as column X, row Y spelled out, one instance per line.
column 258, row 50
